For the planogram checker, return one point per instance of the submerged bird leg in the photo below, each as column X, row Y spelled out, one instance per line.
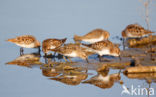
column 54, row 58
column 69, row 59
column 123, row 43
column 21, row 51
column 46, row 61
column 100, row 58
column 65, row 59
column 119, row 72
column 39, row 50
column 45, row 54
column 45, row 58
column 120, row 57
column 87, row 60
column 54, row 53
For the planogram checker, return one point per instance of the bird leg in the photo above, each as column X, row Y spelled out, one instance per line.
column 54, row 53
column 100, row 58
column 120, row 57
column 65, row 59
column 123, row 42
column 119, row 72
column 69, row 59
column 46, row 61
column 45, row 54
column 87, row 60
column 39, row 50
column 21, row 51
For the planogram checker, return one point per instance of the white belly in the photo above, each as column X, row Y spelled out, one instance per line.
column 94, row 40
column 103, row 52
column 70, row 76
column 133, row 36
column 73, row 54
column 32, row 45
column 52, row 47
column 105, row 79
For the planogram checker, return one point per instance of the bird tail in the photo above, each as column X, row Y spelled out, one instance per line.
column 77, row 38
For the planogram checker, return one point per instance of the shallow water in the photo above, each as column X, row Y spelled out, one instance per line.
column 59, row 19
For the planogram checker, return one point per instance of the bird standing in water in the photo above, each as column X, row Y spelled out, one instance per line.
column 51, row 44
column 104, row 48
column 134, row 31
column 25, row 41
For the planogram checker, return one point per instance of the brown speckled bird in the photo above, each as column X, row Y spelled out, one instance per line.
column 50, row 44
column 25, row 41
column 135, row 31
column 93, row 36
column 104, row 48
column 72, row 50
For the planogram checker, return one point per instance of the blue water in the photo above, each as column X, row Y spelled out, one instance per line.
column 59, row 19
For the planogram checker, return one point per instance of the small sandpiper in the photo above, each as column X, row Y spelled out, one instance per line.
column 72, row 50
column 93, row 36
column 105, row 47
column 50, row 44
column 135, row 31
column 25, row 41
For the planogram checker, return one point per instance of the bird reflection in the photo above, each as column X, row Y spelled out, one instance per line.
column 26, row 60
column 53, row 58
column 103, row 80
column 50, row 72
column 71, row 77
column 142, row 76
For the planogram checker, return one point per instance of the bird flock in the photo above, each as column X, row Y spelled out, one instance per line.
column 97, row 43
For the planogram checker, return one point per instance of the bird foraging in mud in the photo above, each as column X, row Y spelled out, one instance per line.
column 104, row 48
column 72, row 50
column 51, row 44
column 134, row 31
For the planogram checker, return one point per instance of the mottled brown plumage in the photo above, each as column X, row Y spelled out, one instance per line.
column 50, row 44
column 135, row 31
column 104, row 48
column 27, row 41
column 72, row 50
